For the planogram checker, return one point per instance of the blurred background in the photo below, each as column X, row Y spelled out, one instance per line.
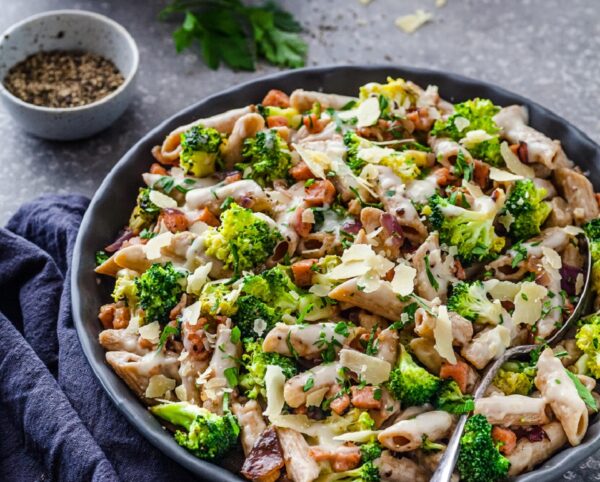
column 546, row 50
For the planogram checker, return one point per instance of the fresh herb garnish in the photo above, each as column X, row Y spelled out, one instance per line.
column 583, row 392
column 432, row 281
column 101, row 257
column 310, row 382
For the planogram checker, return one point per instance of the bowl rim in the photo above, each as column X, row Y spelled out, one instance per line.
column 556, row 465
column 129, row 40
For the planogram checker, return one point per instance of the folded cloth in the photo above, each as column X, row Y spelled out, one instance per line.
column 57, row 422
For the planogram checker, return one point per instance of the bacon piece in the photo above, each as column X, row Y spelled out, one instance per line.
column 276, row 121
column 459, row 372
column 506, row 437
column 173, row 219
column 313, row 123
column 341, row 459
column 265, row 460
column 156, row 168
column 107, row 315
column 303, row 229
column 302, row 272
column 276, row 98
column 319, row 193
column 301, row 172
column 365, row 397
column 207, row 217
column 481, row 173
column 233, row 177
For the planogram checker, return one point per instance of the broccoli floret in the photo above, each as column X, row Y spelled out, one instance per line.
column 450, row 399
column 370, row 451
column 249, row 309
column 159, row 289
column 217, row 299
column 479, row 459
column 515, row 377
column 255, row 362
column 125, row 288
column 410, row 383
column 478, row 115
column 243, row 240
column 367, row 472
column 274, row 287
column 526, row 209
column 200, row 150
column 592, row 230
column 293, row 117
column 145, row 212
column 392, row 95
column 406, row 164
column 266, row 158
column 206, row 435
column 471, row 231
column 588, row 341
column 469, row 299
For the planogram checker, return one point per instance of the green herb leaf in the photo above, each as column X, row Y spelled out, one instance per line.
column 432, row 281
column 310, row 382
column 583, row 392
column 231, row 375
column 101, row 257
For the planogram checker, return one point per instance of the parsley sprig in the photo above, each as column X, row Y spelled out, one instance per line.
column 236, row 34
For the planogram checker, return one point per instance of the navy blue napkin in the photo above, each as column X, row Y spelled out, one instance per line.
column 56, row 422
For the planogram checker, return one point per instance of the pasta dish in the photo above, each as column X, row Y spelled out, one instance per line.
column 319, row 281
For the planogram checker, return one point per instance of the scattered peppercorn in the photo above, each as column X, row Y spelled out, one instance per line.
column 63, row 78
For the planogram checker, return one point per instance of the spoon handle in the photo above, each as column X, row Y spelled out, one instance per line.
column 448, row 460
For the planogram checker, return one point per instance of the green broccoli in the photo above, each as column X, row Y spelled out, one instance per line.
column 476, row 114
column 370, row 451
column 526, row 209
column 217, row 299
column 410, row 383
column 207, row 435
column 200, row 149
column 243, row 240
column 469, row 299
column 255, row 362
column 450, row 399
column 125, row 288
column 588, row 341
column 367, row 472
column 471, row 231
column 145, row 212
column 515, row 377
column 159, row 289
column 249, row 310
column 592, row 230
column 479, row 459
column 266, row 158
column 100, row 257
column 293, row 117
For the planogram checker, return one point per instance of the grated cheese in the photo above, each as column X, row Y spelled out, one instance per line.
column 410, row 23
column 308, row 216
column 551, row 258
column 190, row 314
column 361, row 436
column 503, row 176
column 462, row 123
column 181, row 393
column 371, row 370
column 502, row 290
column 318, row 162
column 528, row 303
column 315, row 398
column 159, row 385
column 442, row 334
column 198, row 278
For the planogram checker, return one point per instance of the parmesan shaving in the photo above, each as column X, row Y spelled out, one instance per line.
column 159, row 385
column 162, row 200
column 318, row 162
column 403, row 282
column 198, row 278
column 528, row 303
column 308, row 216
column 361, row 436
column 514, row 164
column 190, row 314
column 551, row 257
column 181, row 393
column 373, row 371
column 440, row 3
column 503, row 176
column 274, row 383
column 472, row 138
column 368, row 112
column 153, row 246
column 150, row 332
column 462, row 123
column 442, row 334
column 410, row 23
column 572, row 230
column 502, row 290
column 578, row 283
column 260, row 326
column 315, row 398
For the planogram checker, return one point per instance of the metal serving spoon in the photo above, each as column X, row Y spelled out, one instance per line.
column 445, row 468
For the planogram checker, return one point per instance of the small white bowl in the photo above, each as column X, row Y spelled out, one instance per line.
column 69, row 30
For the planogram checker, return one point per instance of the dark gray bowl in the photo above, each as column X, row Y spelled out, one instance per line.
column 110, row 207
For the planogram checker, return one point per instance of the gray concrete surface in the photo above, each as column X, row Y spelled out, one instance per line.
column 544, row 49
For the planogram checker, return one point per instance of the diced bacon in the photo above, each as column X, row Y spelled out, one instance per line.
column 107, row 315
column 341, row 459
column 340, row 404
column 156, row 168
column 233, row 177
column 459, row 271
column 302, row 272
column 481, row 173
column 444, row 177
column 276, row 98
column 174, row 220
column 507, row 439
column 459, row 372
column 313, row 123
column 301, row 172
column 209, row 218
column 276, row 121
column 303, row 229
column 319, row 193
column 365, row 397
column 121, row 319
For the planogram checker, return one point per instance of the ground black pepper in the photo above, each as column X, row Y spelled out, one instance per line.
column 63, row 78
